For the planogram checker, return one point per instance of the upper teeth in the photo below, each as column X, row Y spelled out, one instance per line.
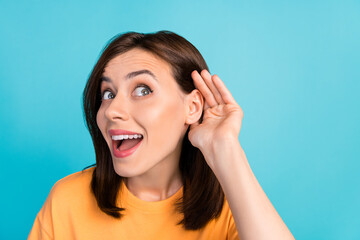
column 121, row 137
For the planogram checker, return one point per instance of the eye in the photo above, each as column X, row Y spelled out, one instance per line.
column 107, row 95
column 144, row 89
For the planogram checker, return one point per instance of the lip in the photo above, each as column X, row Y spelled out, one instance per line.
column 121, row 132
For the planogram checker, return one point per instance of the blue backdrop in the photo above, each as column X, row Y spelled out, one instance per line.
column 292, row 66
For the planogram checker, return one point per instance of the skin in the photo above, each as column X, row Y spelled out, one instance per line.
column 255, row 217
column 152, row 171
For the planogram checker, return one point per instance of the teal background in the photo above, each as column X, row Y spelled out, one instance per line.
column 292, row 66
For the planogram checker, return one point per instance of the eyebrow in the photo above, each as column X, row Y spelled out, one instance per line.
column 132, row 75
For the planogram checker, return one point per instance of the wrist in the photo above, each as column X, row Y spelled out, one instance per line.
column 224, row 144
column 223, row 152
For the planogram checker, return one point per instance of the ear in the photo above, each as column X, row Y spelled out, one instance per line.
column 194, row 107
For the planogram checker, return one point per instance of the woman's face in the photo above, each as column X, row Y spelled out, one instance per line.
column 155, row 109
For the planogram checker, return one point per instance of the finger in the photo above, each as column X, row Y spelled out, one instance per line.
column 225, row 93
column 203, row 88
column 209, row 82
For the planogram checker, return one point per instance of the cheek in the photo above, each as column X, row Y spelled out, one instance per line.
column 162, row 121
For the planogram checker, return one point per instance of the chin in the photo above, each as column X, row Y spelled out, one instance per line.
column 126, row 171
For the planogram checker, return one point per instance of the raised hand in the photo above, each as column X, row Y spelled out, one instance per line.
column 222, row 116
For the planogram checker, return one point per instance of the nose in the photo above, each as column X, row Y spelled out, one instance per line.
column 117, row 109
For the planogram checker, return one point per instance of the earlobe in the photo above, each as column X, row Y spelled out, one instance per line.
column 195, row 106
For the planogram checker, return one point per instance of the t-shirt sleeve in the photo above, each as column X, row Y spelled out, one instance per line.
column 53, row 219
column 37, row 232
column 43, row 224
column 232, row 231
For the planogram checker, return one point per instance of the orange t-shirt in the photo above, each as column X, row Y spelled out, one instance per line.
column 71, row 212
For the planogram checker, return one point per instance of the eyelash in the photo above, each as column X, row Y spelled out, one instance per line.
column 139, row 85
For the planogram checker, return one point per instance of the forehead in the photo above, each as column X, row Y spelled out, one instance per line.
column 137, row 59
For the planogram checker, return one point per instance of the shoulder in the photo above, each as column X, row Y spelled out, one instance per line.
column 74, row 180
column 225, row 215
column 225, row 224
column 229, row 219
column 66, row 200
column 73, row 185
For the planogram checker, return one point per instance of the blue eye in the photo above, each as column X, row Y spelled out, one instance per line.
column 145, row 91
column 107, row 95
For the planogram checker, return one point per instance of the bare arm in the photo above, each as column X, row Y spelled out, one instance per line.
column 217, row 138
column 254, row 215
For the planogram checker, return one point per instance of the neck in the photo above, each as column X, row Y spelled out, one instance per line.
column 159, row 183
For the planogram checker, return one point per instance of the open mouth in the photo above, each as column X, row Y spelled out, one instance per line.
column 126, row 147
column 118, row 143
column 126, row 144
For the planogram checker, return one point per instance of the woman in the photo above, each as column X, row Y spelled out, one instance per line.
column 169, row 164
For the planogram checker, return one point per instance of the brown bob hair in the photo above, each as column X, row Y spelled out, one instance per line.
column 203, row 196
